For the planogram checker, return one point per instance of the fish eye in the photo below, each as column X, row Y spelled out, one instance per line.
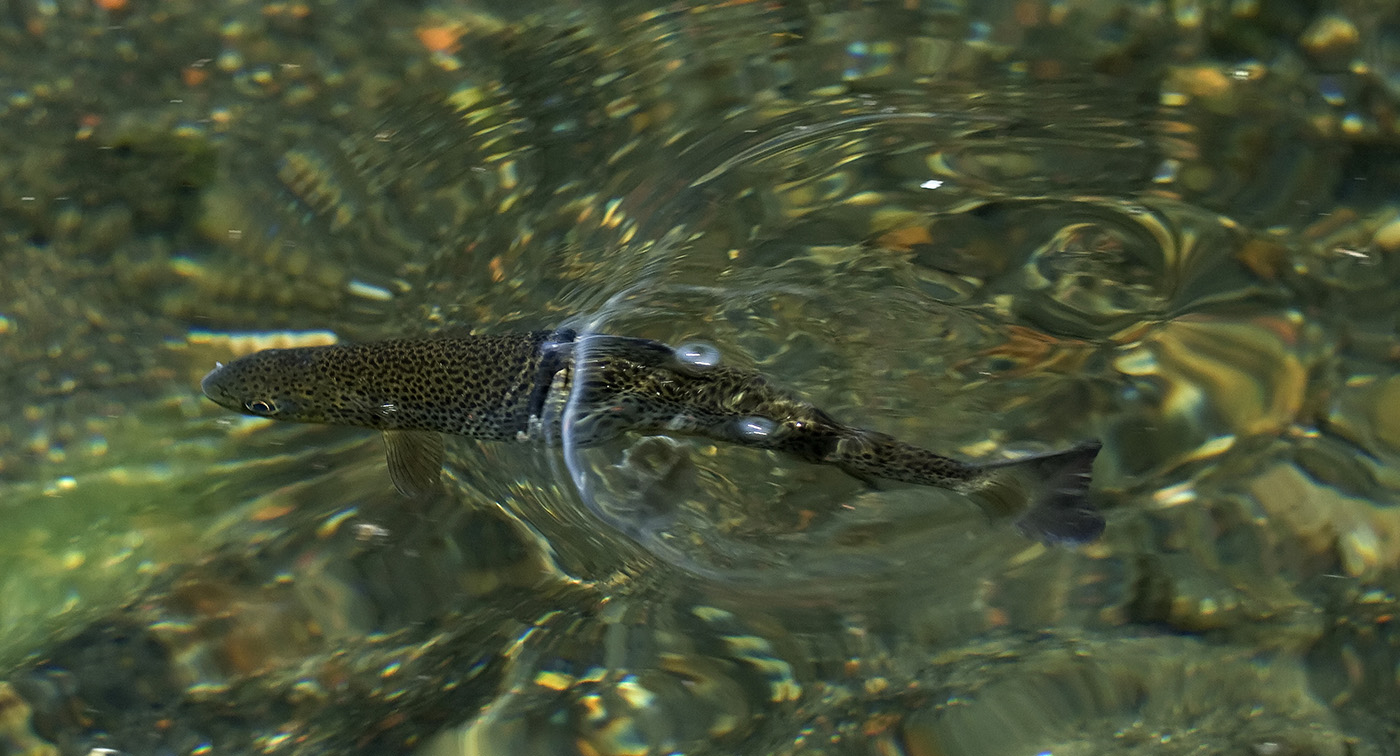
column 261, row 407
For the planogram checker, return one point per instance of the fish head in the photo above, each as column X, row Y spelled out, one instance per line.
column 300, row 385
column 266, row 383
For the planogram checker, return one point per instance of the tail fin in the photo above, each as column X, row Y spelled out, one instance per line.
column 1059, row 511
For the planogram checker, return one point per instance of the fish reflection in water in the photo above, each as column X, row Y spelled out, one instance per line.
column 508, row 387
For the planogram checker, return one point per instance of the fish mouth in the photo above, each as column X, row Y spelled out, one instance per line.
column 211, row 388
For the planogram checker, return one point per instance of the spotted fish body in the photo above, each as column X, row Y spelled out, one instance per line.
column 511, row 387
column 486, row 387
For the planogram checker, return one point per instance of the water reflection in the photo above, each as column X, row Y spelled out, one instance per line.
column 987, row 230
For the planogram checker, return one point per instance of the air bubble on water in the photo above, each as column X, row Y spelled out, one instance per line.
column 756, row 428
column 368, row 531
column 698, row 356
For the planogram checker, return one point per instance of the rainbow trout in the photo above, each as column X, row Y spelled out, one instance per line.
column 512, row 387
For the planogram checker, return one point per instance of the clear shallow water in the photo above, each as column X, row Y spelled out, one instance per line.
column 986, row 231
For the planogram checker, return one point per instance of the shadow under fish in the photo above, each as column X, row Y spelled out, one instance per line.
column 545, row 385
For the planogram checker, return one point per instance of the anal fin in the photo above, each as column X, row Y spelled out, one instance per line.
column 415, row 460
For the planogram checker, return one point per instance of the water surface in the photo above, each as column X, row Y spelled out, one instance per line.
column 990, row 229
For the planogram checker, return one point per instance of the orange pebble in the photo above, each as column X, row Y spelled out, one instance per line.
column 271, row 512
column 902, row 239
column 111, row 5
column 1028, row 13
column 804, row 519
column 194, row 76
column 439, row 38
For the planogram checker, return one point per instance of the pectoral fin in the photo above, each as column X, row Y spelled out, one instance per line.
column 415, row 460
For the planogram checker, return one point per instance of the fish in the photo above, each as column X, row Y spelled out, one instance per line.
column 515, row 387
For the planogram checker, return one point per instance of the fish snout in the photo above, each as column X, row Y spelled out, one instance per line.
column 212, row 386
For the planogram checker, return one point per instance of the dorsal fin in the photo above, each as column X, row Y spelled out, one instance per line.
column 600, row 346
